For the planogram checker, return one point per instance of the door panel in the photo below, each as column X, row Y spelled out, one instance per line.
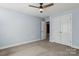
column 43, row 30
column 56, row 30
column 66, row 26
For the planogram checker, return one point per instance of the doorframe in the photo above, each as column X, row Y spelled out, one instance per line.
column 43, row 36
column 48, row 20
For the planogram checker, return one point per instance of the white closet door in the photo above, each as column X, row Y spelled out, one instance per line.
column 56, row 30
column 66, row 29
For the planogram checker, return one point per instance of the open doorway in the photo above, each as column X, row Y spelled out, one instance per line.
column 47, row 30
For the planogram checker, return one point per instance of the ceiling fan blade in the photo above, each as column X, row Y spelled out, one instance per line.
column 51, row 4
column 33, row 6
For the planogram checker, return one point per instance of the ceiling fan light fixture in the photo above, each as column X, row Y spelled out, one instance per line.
column 41, row 10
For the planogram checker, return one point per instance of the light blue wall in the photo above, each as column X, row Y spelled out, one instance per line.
column 16, row 27
column 75, row 28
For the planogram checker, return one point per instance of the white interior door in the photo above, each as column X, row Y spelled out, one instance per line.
column 62, row 29
column 66, row 30
column 43, row 30
column 56, row 30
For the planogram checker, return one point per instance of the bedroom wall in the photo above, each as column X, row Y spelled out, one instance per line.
column 75, row 28
column 18, row 28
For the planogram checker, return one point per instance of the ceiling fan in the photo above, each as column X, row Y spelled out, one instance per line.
column 41, row 6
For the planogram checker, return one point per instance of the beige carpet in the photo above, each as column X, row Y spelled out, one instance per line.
column 40, row 48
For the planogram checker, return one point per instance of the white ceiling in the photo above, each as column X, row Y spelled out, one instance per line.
column 24, row 8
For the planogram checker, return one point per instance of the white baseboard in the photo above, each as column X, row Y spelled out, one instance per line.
column 75, row 46
column 8, row 46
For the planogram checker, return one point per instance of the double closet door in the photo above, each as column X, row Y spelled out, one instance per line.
column 62, row 29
